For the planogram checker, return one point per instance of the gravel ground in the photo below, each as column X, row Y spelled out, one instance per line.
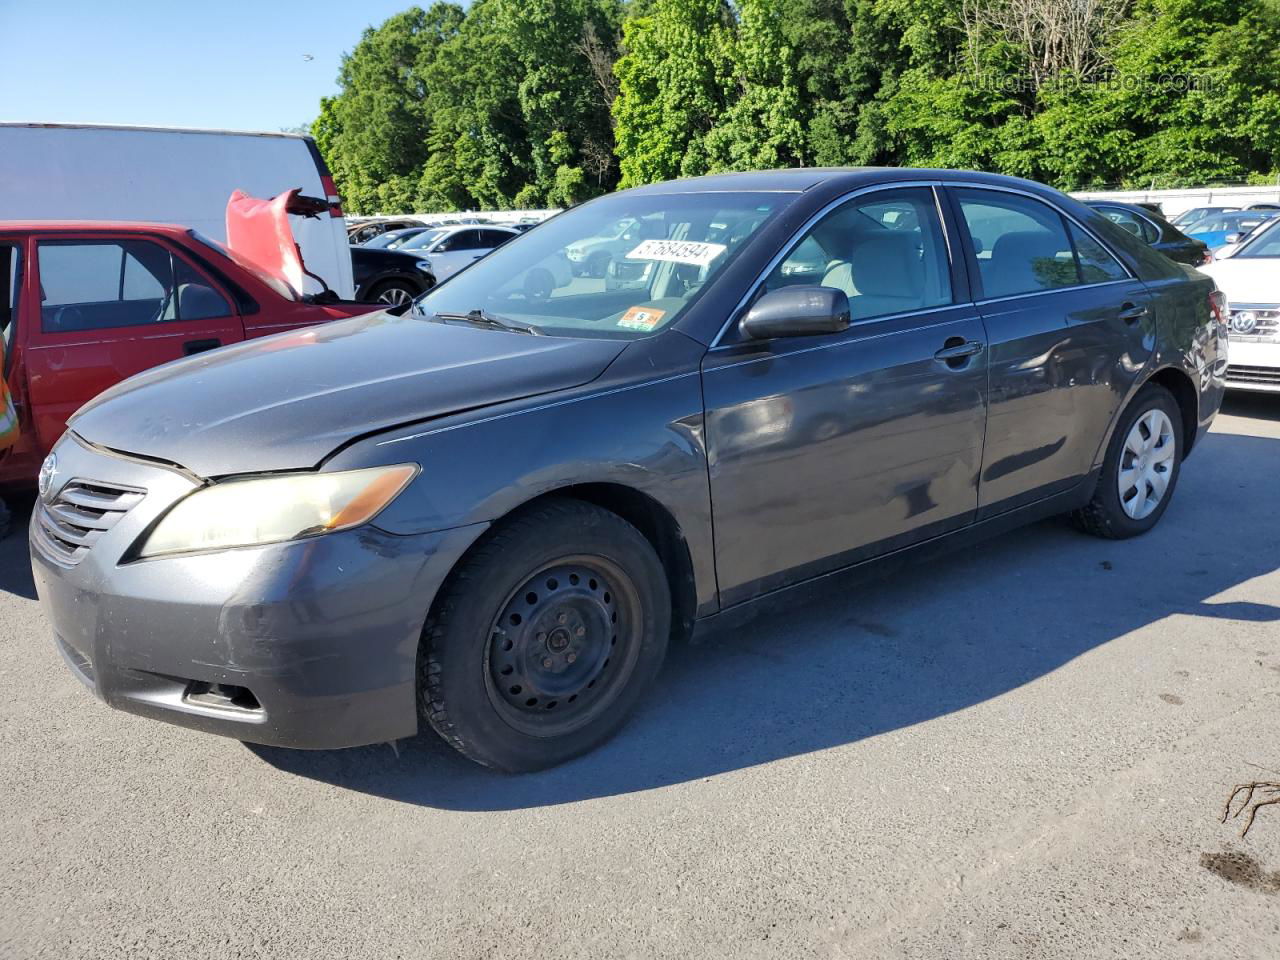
column 1019, row 751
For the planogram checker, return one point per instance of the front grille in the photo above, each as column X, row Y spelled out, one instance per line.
column 1266, row 375
column 82, row 512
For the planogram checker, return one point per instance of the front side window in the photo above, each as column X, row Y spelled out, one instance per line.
column 621, row 267
column 97, row 284
column 1024, row 246
column 461, row 240
column 885, row 250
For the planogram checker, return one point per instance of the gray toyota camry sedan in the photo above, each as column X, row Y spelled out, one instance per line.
column 490, row 514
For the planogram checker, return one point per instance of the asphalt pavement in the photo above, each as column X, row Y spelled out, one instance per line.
column 1022, row 750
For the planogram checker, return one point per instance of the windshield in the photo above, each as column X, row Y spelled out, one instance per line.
column 1230, row 221
column 422, row 240
column 390, row 239
column 1265, row 244
column 621, row 267
column 274, row 282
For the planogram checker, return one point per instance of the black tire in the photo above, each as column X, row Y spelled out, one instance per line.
column 402, row 290
column 1105, row 515
column 491, row 680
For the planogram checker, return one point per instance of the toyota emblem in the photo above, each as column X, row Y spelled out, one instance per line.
column 48, row 470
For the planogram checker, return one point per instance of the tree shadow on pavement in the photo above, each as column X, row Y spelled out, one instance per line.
column 859, row 661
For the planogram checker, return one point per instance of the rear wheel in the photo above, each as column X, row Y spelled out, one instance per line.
column 1140, row 470
column 545, row 638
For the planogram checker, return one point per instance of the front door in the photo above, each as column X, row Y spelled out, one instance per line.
column 110, row 307
column 1070, row 332
column 828, row 450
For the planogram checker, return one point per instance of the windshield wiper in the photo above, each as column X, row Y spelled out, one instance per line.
column 482, row 318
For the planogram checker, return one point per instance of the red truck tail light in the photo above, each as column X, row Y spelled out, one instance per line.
column 331, row 194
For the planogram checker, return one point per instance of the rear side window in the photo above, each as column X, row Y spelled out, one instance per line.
column 1021, row 244
column 1025, row 246
column 97, row 284
column 494, row 238
column 1096, row 264
column 1131, row 222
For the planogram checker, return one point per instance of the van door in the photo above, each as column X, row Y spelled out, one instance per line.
column 111, row 306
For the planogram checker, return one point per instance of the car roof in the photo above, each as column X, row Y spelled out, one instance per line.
column 88, row 226
column 800, row 179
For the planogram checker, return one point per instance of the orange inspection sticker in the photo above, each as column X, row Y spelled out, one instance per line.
column 641, row 318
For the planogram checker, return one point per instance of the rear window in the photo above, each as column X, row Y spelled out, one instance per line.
column 275, row 283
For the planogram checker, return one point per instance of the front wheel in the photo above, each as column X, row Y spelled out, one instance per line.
column 1140, row 470
column 545, row 638
column 393, row 293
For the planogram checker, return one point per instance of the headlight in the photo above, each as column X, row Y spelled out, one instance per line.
column 424, row 266
column 240, row 513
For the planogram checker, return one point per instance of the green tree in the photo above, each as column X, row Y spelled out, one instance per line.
column 764, row 124
column 675, row 80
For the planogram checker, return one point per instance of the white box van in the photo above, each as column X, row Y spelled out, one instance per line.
column 64, row 171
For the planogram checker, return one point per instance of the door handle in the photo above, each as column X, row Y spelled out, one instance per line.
column 200, row 346
column 956, row 352
column 1132, row 312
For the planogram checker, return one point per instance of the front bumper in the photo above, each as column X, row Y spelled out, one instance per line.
column 1254, row 366
column 321, row 634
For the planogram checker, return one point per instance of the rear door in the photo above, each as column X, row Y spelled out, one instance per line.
column 1070, row 331
column 111, row 306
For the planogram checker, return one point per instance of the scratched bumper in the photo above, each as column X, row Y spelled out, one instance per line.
column 322, row 633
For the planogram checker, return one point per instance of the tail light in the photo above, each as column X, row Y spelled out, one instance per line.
column 1206, row 259
column 331, row 194
column 1218, row 307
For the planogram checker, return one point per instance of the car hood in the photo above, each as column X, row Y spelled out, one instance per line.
column 286, row 402
column 1246, row 279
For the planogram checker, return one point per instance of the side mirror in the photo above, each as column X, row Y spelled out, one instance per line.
column 796, row 312
column 1233, row 238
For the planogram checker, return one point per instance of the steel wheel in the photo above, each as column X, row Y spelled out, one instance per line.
column 394, row 296
column 1146, row 464
column 563, row 646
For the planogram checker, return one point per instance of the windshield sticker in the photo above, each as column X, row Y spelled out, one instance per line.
column 678, row 251
column 641, row 318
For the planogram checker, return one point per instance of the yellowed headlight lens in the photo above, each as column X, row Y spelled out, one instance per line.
column 240, row 513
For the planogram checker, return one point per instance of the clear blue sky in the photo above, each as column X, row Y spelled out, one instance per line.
column 229, row 64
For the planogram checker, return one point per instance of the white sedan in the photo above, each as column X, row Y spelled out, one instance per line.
column 1250, row 277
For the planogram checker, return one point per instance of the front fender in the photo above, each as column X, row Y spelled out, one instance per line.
column 479, row 467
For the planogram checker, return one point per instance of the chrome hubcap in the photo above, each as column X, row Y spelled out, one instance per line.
column 1146, row 464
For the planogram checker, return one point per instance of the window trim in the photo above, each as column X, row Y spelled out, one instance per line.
column 802, row 232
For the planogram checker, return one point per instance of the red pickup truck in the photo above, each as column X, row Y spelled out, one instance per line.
column 85, row 305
